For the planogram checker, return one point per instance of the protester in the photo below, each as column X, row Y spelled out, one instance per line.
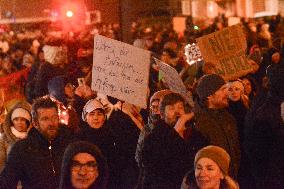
column 264, row 135
column 213, row 120
column 15, row 127
column 54, row 65
column 7, row 66
column 167, row 154
column 98, row 132
column 238, row 105
column 154, row 117
column 211, row 170
column 36, row 160
column 83, row 166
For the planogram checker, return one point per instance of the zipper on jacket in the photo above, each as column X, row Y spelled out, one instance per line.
column 51, row 158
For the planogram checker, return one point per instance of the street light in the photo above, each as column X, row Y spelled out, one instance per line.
column 69, row 14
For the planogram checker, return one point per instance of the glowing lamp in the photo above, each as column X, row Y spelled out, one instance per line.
column 69, row 14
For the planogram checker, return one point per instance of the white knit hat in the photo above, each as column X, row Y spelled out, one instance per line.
column 21, row 112
column 90, row 106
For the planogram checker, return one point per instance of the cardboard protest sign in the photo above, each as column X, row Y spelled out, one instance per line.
column 174, row 81
column 121, row 70
column 224, row 53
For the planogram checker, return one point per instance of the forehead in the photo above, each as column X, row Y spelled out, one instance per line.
column 47, row 111
column 178, row 103
column 206, row 162
column 96, row 111
column 83, row 157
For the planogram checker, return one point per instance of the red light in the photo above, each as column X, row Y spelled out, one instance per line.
column 69, row 14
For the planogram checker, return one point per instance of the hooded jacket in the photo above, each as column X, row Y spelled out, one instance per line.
column 7, row 138
column 83, row 147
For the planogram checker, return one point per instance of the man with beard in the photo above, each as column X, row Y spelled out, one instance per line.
column 36, row 160
column 213, row 120
column 167, row 154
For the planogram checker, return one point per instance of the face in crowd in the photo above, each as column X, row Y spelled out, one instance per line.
column 47, row 122
column 84, row 170
column 219, row 99
column 235, row 91
column 208, row 174
column 96, row 118
column 20, row 124
column 173, row 113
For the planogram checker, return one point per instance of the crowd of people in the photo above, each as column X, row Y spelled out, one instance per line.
column 63, row 134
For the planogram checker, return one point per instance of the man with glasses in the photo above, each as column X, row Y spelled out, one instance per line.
column 36, row 160
column 83, row 166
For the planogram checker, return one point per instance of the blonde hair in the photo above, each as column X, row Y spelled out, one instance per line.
column 230, row 183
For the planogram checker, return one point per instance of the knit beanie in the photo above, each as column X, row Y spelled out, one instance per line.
column 217, row 154
column 21, row 112
column 208, row 85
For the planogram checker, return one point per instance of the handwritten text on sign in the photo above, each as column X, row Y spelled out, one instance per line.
column 224, row 52
column 120, row 70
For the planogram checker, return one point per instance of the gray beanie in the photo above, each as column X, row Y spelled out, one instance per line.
column 208, row 85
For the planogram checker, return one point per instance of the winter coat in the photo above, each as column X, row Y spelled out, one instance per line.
column 83, row 147
column 35, row 161
column 219, row 128
column 238, row 110
column 104, row 138
column 264, row 144
column 167, row 157
column 7, row 138
column 126, row 134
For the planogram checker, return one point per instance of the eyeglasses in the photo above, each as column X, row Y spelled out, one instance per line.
column 89, row 166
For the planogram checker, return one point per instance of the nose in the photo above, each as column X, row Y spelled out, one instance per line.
column 83, row 170
column 202, row 173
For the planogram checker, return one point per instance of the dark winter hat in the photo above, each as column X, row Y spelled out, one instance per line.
column 56, row 88
column 217, row 154
column 208, row 85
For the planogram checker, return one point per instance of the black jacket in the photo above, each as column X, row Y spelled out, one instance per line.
column 167, row 157
column 264, row 144
column 35, row 162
